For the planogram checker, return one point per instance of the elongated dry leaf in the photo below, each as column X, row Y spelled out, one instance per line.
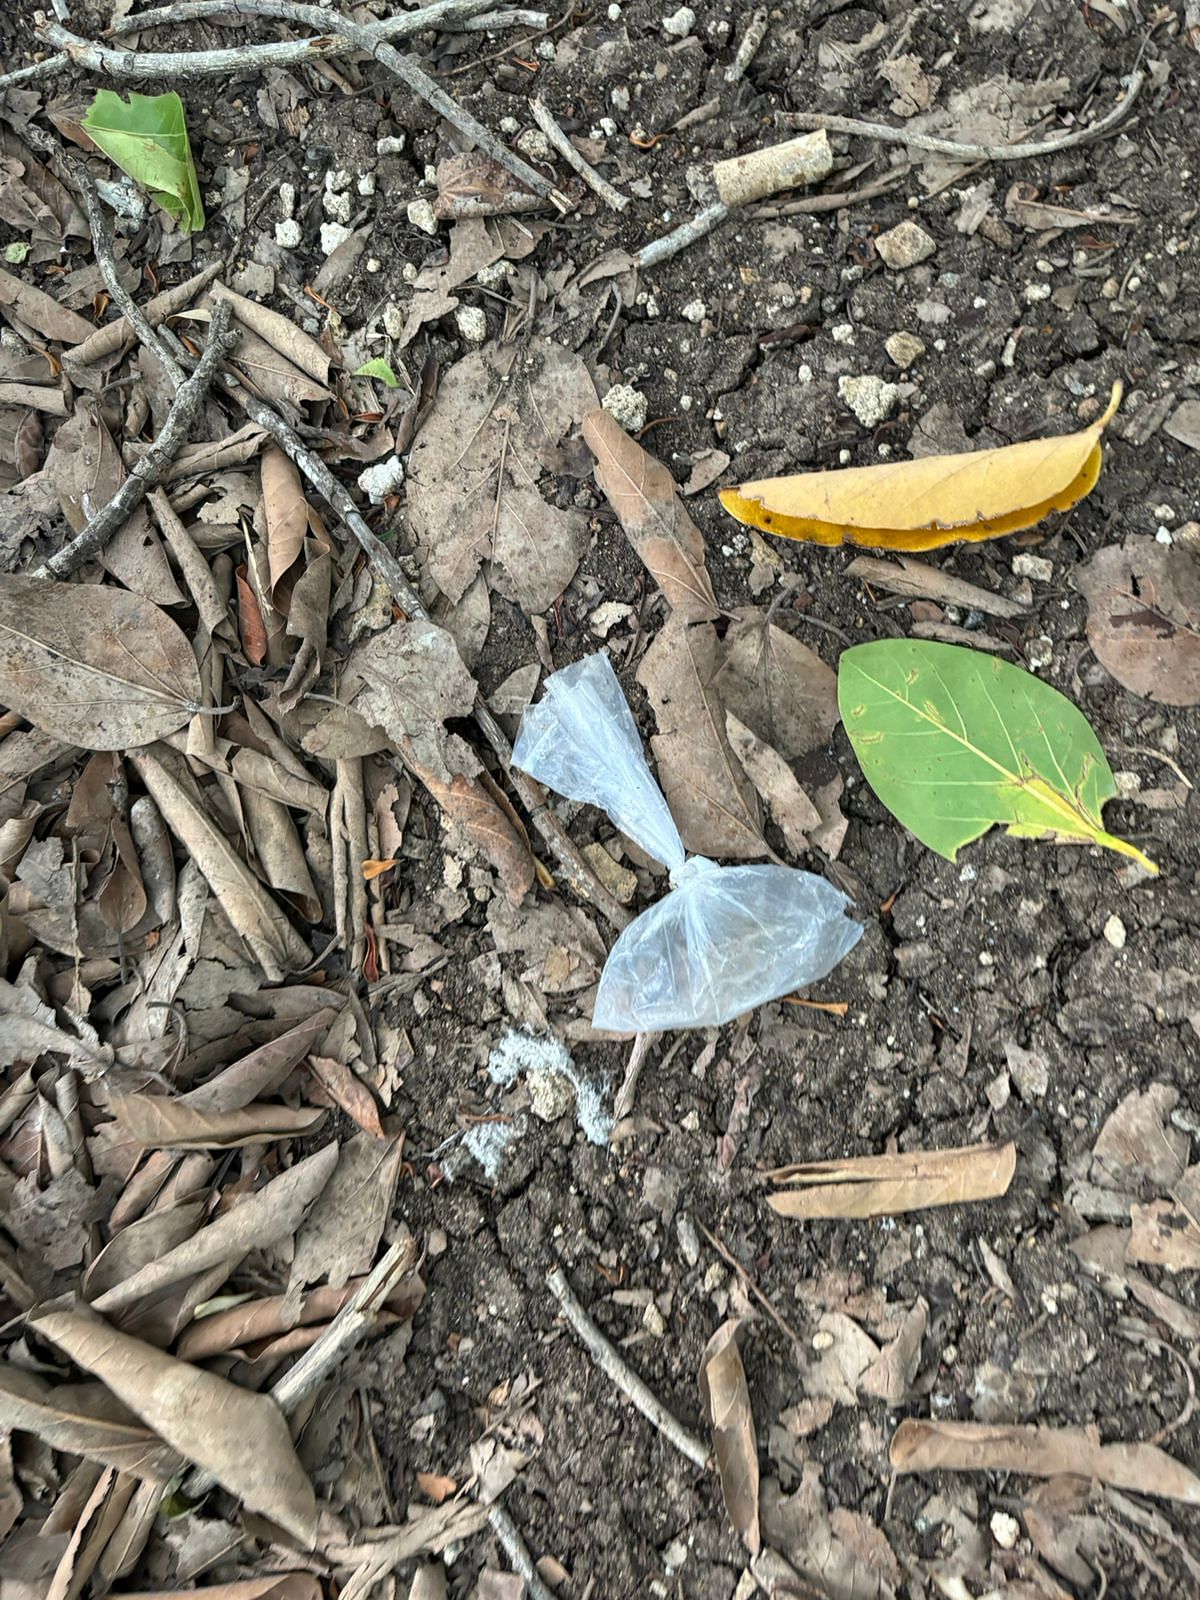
column 299, row 348
column 1041, row 1452
column 780, row 689
column 726, row 1398
column 262, row 1071
column 413, row 679
column 930, row 502
column 341, row 1233
column 83, row 1419
column 642, row 493
column 272, row 1213
column 712, row 800
column 953, row 742
column 93, row 665
column 142, row 1242
column 278, row 1586
column 240, row 1437
column 286, row 511
column 880, row 1186
column 157, row 1123
column 254, row 915
column 1144, row 617
column 793, row 811
column 43, row 314
column 488, row 822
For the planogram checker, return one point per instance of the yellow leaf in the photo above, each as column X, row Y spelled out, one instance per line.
column 924, row 504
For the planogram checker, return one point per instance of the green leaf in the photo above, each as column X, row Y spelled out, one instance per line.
column 147, row 138
column 378, row 368
column 953, row 741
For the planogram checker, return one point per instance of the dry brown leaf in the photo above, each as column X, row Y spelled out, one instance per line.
column 930, row 502
column 1041, row 1452
column 299, row 348
column 890, row 1376
column 776, row 783
column 347, row 1090
column 272, row 1213
column 208, row 1420
column 83, row 1420
column 36, row 308
column 286, row 512
column 252, row 913
column 257, row 1320
column 341, row 1234
column 489, row 822
column 157, row 1123
column 711, row 798
column 845, row 1352
column 918, row 580
column 642, row 493
column 1166, row 1233
column 11, row 1498
column 1138, row 1144
column 436, row 1487
column 408, row 680
column 264, row 1070
column 278, row 1586
column 475, row 469
column 1144, row 617
column 839, row 1554
column 735, row 1448
column 474, row 244
column 93, row 665
column 32, row 200
column 143, row 1241
column 781, row 690
column 1103, row 1252
column 879, row 1186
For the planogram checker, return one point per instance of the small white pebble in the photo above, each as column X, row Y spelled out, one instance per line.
column 614, row 13
column 472, row 324
column 391, row 145
column 366, row 183
column 374, row 264
column 842, row 333
column 1039, row 652
column 337, row 205
column 509, row 126
column 534, row 146
column 870, row 398
column 1037, row 291
column 680, row 23
column 332, row 235
column 420, row 214
column 654, row 1322
column 381, row 479
column 1026, row 565
column 628, row 406
column 287, row 198
column 1006, row 1530
column 336, row 179
column 694, row 311
column 1114, row 932
column 287, row 234
column 1163, row 535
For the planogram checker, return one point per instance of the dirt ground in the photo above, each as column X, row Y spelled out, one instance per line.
column 991, row 999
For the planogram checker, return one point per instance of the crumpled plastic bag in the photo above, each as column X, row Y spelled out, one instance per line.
column 724, row 939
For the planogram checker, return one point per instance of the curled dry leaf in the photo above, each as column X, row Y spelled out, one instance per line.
column 930, row 502
column 157, row 1123
column 207, row 1419
column 411, row 680
column 42, row 313
column 778, row 687
column 93, row 665
column 1144, row 617
column 879, row 1186
column 1041, row 1452
column 642, row 493
column 727, row 1401
column 83, row 1419
column 711, row 798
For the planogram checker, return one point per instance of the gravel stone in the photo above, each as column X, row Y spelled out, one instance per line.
column 870, row 398
column 904, row 246
column 628, row 406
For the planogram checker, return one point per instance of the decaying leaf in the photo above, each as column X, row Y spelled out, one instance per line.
column 953, row 741
column 1041, row 1452
column 476, row 466
column 158, row 1123
column 1144, row 617
column 890, row 1375
column 711, row 799
column 410, row 680
column 93, row 665
column 878, row 1186
column 341, row 1233
column 643, row 494
column 83, row 1419
column 780, row 689
column 207, row 1419
column 727, row 1400
column 1138, row 1144
column 41, row 312
column 1166, row 1233
column 930, row 502
column 776, row 783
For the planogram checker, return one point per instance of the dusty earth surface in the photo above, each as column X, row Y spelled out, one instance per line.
column 990, row 999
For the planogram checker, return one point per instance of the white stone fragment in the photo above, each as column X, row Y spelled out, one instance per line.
column 694, row 311
column 332, row 235
column 420, row 213
column 870, row 398
column 628, row 406
column 904, row 246
column 680, row 23
column 904, row 349
column 381, row 479
column 1114, row 932
column 1006, row 1530
column 391, row 145
column 1025, row 565
column 472, row 324
column 287, row 233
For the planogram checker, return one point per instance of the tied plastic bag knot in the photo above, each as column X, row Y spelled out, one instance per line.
column 694, row 867
column 724, row 939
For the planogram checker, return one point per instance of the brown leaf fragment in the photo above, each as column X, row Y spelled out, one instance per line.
column 83, row 1419
column 53, row 1222
column 272, row 1213
column 300, row 348
column 878, row 1186
column 830, row 1556
column 207, row 1419
column 262, row 1071
column 482, row 812
column 42, row 313
column 642, row 493
column 341, row 1233
column 1144, row 617
column 158, row 1123
column 95, row 666
column 143, row 1241
column 1039, row 1451
column 286, row 512
column 711, row 798
column 1166, row 1233
column 1138, row 1145
column 726, row 1398
column 777, row 686
column 776, row 783
column 410, row 679
column 890, row 1376
column 348, row 1091
column 918, row 580
column 1102, row 1252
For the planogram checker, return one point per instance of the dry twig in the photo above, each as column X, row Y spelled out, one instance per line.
column 970, row 152
column 614, row 1367
column 153, row 465
column 638, row 1056
column 330, row 24
column 517, row 1552
column 611, row 197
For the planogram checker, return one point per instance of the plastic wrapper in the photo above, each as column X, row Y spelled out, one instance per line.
column 724, row 939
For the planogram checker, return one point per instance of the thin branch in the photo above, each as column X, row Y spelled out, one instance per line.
column 153, row 466
column 517, row 1552
column 575, row 870
column 331, row 26
column 680, row 238
column 441, row 14
column 611, row 197
column 34, row 73
column 638, row 1056
column 612, row 1364
column 883, row 132
column 102, row 246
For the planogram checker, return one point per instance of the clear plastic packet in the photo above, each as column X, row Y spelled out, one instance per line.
column 724, row 939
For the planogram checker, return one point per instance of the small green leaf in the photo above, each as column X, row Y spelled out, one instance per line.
column 147, row 138
column 953, row 741
column 378, row 369
column 16, row 252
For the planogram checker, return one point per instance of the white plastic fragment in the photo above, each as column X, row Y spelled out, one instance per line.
column 725, row 939
column 543, row 1059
